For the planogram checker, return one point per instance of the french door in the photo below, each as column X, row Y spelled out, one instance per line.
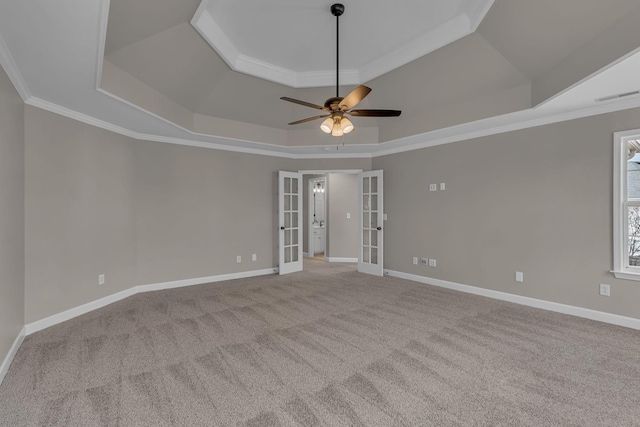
column 370, row 259
column 290, row 221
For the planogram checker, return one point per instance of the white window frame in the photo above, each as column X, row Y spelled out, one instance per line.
column 621, row 267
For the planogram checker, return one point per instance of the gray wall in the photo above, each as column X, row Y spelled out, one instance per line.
column 537, row 200
column 11, row 214
column 197, row 209
column 80, row 213
column 342, row 238
column 141, row 212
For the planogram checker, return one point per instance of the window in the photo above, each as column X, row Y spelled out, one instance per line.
column 626, row 208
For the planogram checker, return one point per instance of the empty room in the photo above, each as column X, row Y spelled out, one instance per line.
column 285, row 213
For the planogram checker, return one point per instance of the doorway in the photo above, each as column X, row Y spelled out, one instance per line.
column 317, row 217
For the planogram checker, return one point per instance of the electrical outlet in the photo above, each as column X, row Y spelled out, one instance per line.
column 101, row 279
column 442, row 186
column 433, row 187
column 348, row 215
column 432, row 262
column 424, row 261
column 238, row 259
column 415, row 260
column 519, row 276
column 605, row 290
column 254, row 257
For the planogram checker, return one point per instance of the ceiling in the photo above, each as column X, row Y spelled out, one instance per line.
column 296, row 43
column 158, row 70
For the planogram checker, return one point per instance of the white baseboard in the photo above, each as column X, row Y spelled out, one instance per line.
column 4, row 368
column 93, row 305
column 601, row 316
column 336, row 259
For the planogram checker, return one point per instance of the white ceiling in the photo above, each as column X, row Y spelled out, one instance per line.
column 293, row 43
column 54, row 52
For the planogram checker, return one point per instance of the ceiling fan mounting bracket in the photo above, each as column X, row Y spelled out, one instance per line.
column 337, row 9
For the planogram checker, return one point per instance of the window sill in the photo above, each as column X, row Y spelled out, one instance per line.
column 626, row 275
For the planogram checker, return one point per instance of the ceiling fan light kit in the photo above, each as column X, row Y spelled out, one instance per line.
column 336, row 123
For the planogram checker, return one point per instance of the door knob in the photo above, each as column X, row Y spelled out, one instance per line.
column 379, row 228
column 281, row 228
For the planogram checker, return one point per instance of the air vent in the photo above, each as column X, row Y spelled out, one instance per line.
column 621, row 95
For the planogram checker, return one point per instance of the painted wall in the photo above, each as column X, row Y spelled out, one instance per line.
column 11, row 214
column 141, row 212
column 79, row 212
column 342, row 238
column 197, row 209
column 537, row 201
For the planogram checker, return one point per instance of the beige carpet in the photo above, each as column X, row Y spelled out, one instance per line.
column 330, row 347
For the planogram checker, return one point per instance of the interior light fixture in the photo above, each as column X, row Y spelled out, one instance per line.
column 336, row 123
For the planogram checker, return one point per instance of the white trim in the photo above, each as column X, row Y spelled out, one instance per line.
column 495, row 125
column 621, row 267
column 10, row 67
column 625, row 275
column 600, row 316
column 103, row 19
column 338, row 259
column 481, row 128
column 454, row 29
column 94, row 305
column 4, row 368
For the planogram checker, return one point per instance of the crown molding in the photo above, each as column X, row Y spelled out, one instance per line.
column 10, row 67
column 456, row 28
column 496, row 125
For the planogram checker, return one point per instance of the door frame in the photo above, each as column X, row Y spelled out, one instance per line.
column 307, row 222
column 311, row 250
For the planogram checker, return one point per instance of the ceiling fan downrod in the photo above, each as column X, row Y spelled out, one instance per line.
column 337, row 10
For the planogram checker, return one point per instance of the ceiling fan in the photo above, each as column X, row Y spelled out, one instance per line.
column 337, row 123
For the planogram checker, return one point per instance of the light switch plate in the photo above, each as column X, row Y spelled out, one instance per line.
column 519, row 276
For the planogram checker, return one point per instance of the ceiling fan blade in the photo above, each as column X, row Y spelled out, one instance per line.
column 354, row 97
column 306, row 104
column 375, row 113
column 309, row 119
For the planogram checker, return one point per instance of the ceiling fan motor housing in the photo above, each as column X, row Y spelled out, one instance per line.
column 337, row 9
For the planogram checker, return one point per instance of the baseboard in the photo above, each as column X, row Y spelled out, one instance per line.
column 94, row 305
column 601, row 316
column 336, row 259
column 4, row 368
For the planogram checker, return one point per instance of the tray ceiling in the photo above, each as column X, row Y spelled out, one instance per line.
column 293, row 43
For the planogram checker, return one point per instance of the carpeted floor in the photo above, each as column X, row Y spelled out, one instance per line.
column 327, row 346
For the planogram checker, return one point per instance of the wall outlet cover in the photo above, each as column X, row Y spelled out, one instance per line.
column 432, row 262
column 442, row 186
column 415, row 260
column 238, row 259
column 605, row 290
column 519, row 276
column 424, row 261
column 254, row 257
column 101, row 279
column 433, row 187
